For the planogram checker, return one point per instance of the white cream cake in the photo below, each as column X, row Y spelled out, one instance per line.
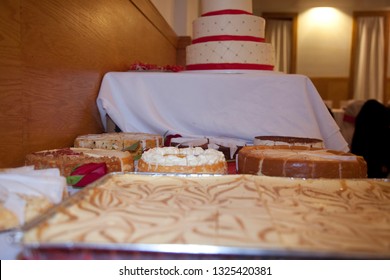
column 183, row 160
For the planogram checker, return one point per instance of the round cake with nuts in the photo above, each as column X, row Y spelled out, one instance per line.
column 67, row 159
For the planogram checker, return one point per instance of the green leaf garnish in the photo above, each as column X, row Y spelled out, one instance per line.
column 132, row 148
column 72, row 180
column 137, row 157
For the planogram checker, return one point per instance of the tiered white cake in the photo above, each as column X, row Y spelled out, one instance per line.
column 229, row 36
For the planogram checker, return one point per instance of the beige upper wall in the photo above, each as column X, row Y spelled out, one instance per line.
column 323, row 46
column 166, row 9
column 179, row 14
column 301, row 5
column 324, row 42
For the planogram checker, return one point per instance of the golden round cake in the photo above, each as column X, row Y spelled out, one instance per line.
column 288, row 141
column 183, row 160
column 68, row 159
column 300, row 162
column 133, row 142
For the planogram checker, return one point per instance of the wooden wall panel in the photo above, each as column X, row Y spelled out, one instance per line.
column 335, row 89
column 182, row 44
column 387, row 92
column 53, row 59
column 11, row 99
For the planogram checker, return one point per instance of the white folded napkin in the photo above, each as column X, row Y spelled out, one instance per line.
column 26, row 181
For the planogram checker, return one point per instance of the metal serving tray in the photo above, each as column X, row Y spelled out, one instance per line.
column 202, row 216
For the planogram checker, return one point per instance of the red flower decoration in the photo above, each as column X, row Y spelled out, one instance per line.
column 168, row 139
column 140, row 66
column 86, row 174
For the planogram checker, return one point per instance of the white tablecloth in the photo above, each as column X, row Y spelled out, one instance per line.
column 338, row 115
column 228, row 105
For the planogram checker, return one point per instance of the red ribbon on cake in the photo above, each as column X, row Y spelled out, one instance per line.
column 227, row 38
column 230, row 66
column 226, row 12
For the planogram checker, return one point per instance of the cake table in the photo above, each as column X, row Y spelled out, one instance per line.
column 240, row 105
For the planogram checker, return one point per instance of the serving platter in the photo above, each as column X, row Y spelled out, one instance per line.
column 202, row 216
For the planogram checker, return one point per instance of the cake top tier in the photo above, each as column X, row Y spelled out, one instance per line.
column 210, row 6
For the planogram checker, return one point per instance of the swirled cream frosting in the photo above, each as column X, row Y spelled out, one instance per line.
column 244, row 211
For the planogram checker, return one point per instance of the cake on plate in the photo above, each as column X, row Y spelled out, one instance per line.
column 288, row 141
column 228, row 146
column 183, row 160
column 189, row 142
column 67, row 159
column 228, row 36
column 134, row 142
column 300, row 162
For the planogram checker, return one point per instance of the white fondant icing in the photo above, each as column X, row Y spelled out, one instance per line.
column 231, row 52
column 235, row 25
column 210, row 51
column 208, row 6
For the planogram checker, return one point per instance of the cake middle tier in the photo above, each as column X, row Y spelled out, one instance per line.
column 223, row 27
column 230, row 55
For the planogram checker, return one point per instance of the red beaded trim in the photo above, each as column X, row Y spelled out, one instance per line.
column 226, row 12
column 227, row 38
column 225, row 66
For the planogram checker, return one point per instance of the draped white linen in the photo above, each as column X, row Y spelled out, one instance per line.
column 201, row 104
column 279, row 34
column 370, row 58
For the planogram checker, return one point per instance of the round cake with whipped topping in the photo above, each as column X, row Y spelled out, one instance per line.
column 183, row 160
column 300, row 162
